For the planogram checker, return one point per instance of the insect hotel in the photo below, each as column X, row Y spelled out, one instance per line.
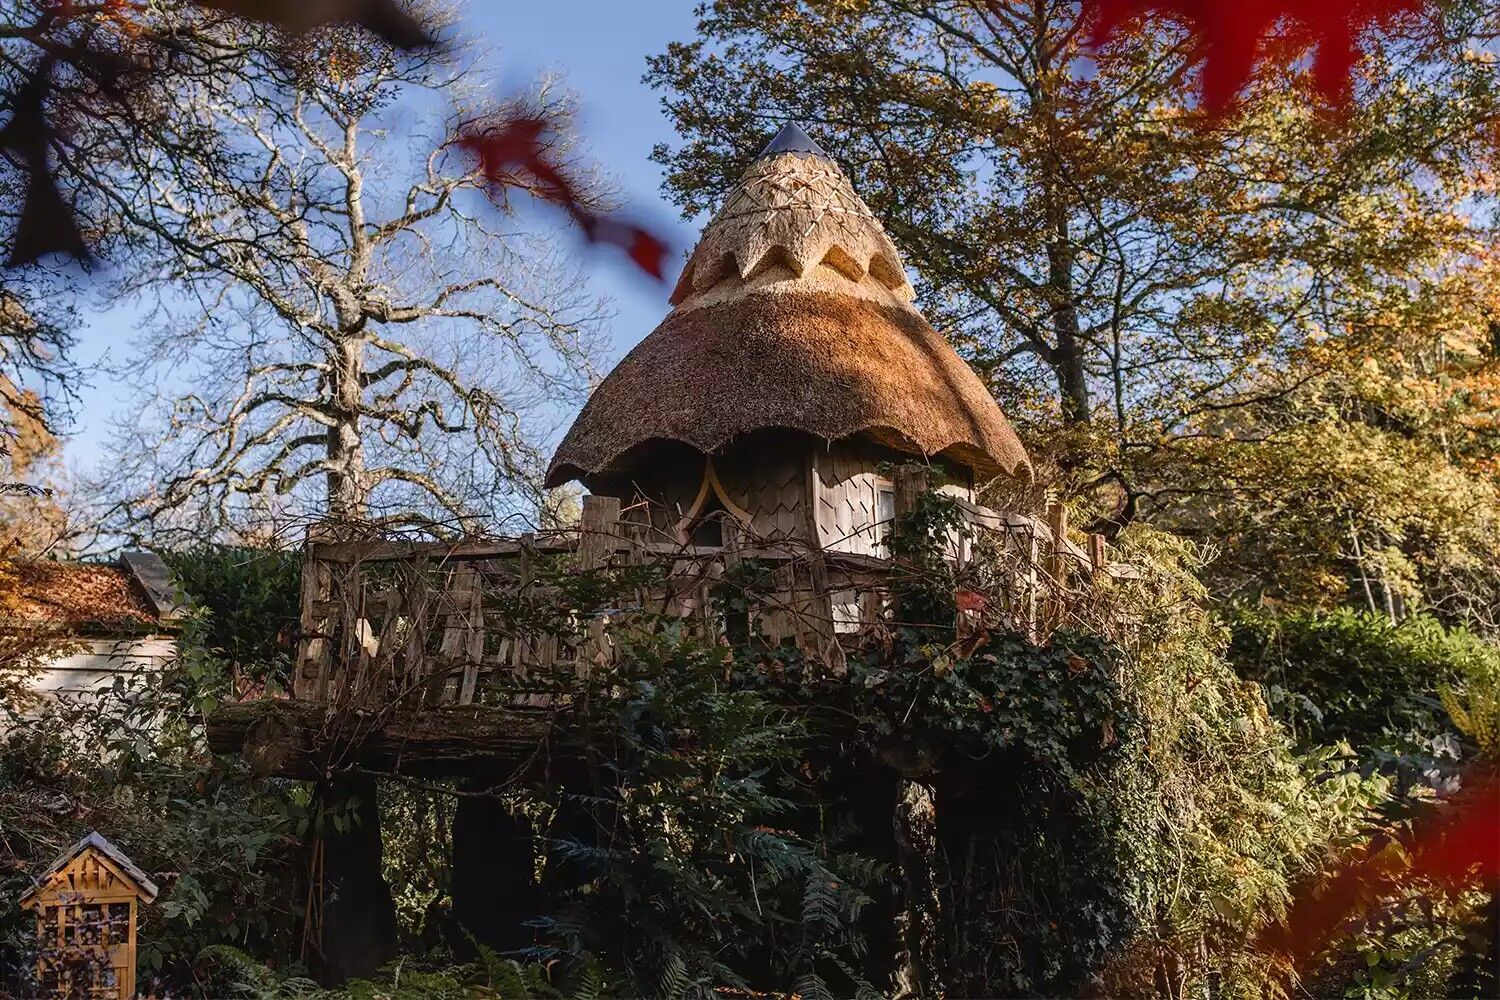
column 86, row 904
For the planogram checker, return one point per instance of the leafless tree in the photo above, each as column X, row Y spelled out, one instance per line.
column 348, row 320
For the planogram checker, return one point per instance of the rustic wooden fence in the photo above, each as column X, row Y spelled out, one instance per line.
column 387, row 622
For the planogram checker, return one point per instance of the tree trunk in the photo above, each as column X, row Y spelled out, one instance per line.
column 354, row 930
column 494, row 872
column 1067, row 354
column 346, row 453
column 915, row 825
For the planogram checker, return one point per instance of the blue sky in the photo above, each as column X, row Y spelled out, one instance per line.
column 601, row 48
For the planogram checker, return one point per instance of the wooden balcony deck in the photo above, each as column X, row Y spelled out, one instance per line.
column 424, row 653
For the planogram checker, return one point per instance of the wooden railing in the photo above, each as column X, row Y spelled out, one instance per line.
column 388, row 622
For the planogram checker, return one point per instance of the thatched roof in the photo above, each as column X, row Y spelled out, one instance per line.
column 793, row 208
column 793, row 312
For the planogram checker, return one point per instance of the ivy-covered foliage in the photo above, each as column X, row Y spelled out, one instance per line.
column 1105, row 809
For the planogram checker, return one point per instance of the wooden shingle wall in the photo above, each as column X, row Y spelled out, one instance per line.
column 849, row 482
column 768, row 480
column 772, row 487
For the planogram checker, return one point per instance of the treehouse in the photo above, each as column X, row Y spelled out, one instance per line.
column 790, row 405
column 792, row 370
column 85, row 904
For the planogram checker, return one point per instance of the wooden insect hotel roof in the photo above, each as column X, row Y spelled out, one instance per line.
column 793, row 312
column 117, row 867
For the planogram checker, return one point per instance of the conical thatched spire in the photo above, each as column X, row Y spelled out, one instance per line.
column 793, row 209
column 793, row 312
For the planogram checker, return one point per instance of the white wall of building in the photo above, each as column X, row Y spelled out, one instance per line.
column 96, row 667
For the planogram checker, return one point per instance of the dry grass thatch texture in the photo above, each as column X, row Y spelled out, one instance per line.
column 795, row 211
column 827, row 364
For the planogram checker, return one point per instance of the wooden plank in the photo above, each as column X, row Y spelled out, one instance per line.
column 285, row 737
column 314, row 626
column 1098, row 554
column 396, row 551
column 1056, row 565
column 463, row 636
column 1032, row 584
column 599, row 537
column 156, row 582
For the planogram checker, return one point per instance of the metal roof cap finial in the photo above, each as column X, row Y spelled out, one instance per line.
column 791, row 139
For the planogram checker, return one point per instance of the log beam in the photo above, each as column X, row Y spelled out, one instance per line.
column 297, row 739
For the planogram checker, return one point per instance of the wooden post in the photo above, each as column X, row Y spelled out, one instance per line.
column 311, row 676
column 495, row 891
column 412, row 667
column 737, row 626
column 528, row 646
column 1032, row 583
column 814, row 617
column 598, row 531
column 910, row 482
column 598, row 538
column 1057, row 564
column 353, row 915
column 463, row 636
column 1098, row 555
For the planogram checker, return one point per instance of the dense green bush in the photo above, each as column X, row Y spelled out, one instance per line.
column 1353, row 676
column 247, row 605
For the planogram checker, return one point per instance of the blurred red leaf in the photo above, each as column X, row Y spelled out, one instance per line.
column 515, row 152
column 1457, row 844
column 1232, row 37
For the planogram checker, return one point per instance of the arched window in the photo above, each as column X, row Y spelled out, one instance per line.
column 704, row 521
column 708, row 527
